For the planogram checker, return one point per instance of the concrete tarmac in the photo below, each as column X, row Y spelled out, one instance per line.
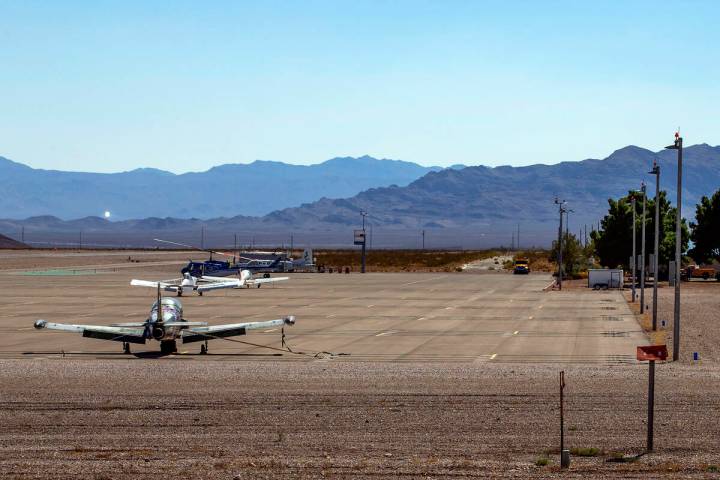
column 385, row 317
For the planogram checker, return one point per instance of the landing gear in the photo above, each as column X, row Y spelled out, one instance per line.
column 266, row 275
column 167, row 347
column 204, row 348
column 126, row 348
column 179, row 292
column 200, row 293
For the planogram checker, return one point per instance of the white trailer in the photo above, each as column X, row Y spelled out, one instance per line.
column 604, row 278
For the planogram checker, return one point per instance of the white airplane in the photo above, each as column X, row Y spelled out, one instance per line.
column 207, row 283
column 167, row 328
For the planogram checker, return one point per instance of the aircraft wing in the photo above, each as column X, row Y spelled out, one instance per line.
column 168, row 287
column 231, row 329
column 217, row 285
column 117, row 334
column 260, row 281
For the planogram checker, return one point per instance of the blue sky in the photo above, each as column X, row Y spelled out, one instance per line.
column 182, row 86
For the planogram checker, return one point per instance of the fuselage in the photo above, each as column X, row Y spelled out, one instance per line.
column 223, row 269
column 165, row 326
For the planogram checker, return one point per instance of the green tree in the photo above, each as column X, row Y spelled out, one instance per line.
column 613, row 244
column 574, row 255
column 706, row 232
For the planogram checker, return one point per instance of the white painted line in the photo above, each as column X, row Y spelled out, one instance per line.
column 540, row 307
column 271, row 330
column 330, row 316
column 385, row 333
column 372, row 305
column 424, row 280
column 421, row 318
column 491, row 291
column 516, row 332
column 530, row 317
column 492, row 357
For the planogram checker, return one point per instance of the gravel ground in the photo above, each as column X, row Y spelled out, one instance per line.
column 170, row 418
column 700, row 312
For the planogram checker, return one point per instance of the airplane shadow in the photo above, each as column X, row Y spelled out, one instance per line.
column 151, row 355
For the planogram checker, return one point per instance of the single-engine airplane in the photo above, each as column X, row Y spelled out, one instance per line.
column 207, row 283
column 168, row 327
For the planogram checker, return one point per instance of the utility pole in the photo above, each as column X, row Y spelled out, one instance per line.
column 22, row 234
column 512, row 242
column 371, row 235
column 292, row 244
column 561, row 210
column 677, row 145
column 656, row 171
column 633, row 263
column 423, row 239
column 518, row 237
column 642, row 252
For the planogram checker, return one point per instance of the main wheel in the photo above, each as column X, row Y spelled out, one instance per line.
column 168, row 346
column 126, row 348
column 203, row 349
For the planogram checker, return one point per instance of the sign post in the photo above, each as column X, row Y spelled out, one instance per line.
column 564, row 454
column 359, row 239
column 650, row 354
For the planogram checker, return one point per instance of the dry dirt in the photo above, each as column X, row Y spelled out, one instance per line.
column 170, row 418
column 176, row 417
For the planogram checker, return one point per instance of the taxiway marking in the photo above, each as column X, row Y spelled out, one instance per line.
column 424, row 280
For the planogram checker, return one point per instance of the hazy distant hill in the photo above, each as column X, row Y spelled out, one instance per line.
column 226, row 190
column 505, row 195
column 473, row 206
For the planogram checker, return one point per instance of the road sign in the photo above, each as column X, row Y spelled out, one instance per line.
column 359, row 237
column 652, row 353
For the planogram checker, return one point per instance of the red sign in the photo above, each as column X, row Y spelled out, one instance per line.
column 652, row 352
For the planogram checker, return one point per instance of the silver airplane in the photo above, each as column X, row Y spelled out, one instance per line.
column 167, row 328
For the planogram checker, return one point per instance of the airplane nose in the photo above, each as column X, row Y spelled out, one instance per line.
column 290, row 320
column 40, row 324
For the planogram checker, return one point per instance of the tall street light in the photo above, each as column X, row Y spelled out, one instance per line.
column 633, row 261
column 642, row 252
column 656, row 171
column 561, row 208
column 677, row 145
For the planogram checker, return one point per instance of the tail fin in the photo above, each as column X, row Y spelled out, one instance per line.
column 308, row 257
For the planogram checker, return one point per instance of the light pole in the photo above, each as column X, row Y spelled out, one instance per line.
column 561, row 209
column 677, row 145
column 656, row 171
column 634, row 246
column 642, row 252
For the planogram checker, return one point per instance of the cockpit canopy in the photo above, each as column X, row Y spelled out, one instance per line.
column 172, row 310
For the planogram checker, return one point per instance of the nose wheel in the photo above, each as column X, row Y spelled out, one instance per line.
column 204, row 348
column 126, row 348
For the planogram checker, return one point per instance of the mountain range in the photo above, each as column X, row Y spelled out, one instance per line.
column 472, row 206
column 251, row 189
